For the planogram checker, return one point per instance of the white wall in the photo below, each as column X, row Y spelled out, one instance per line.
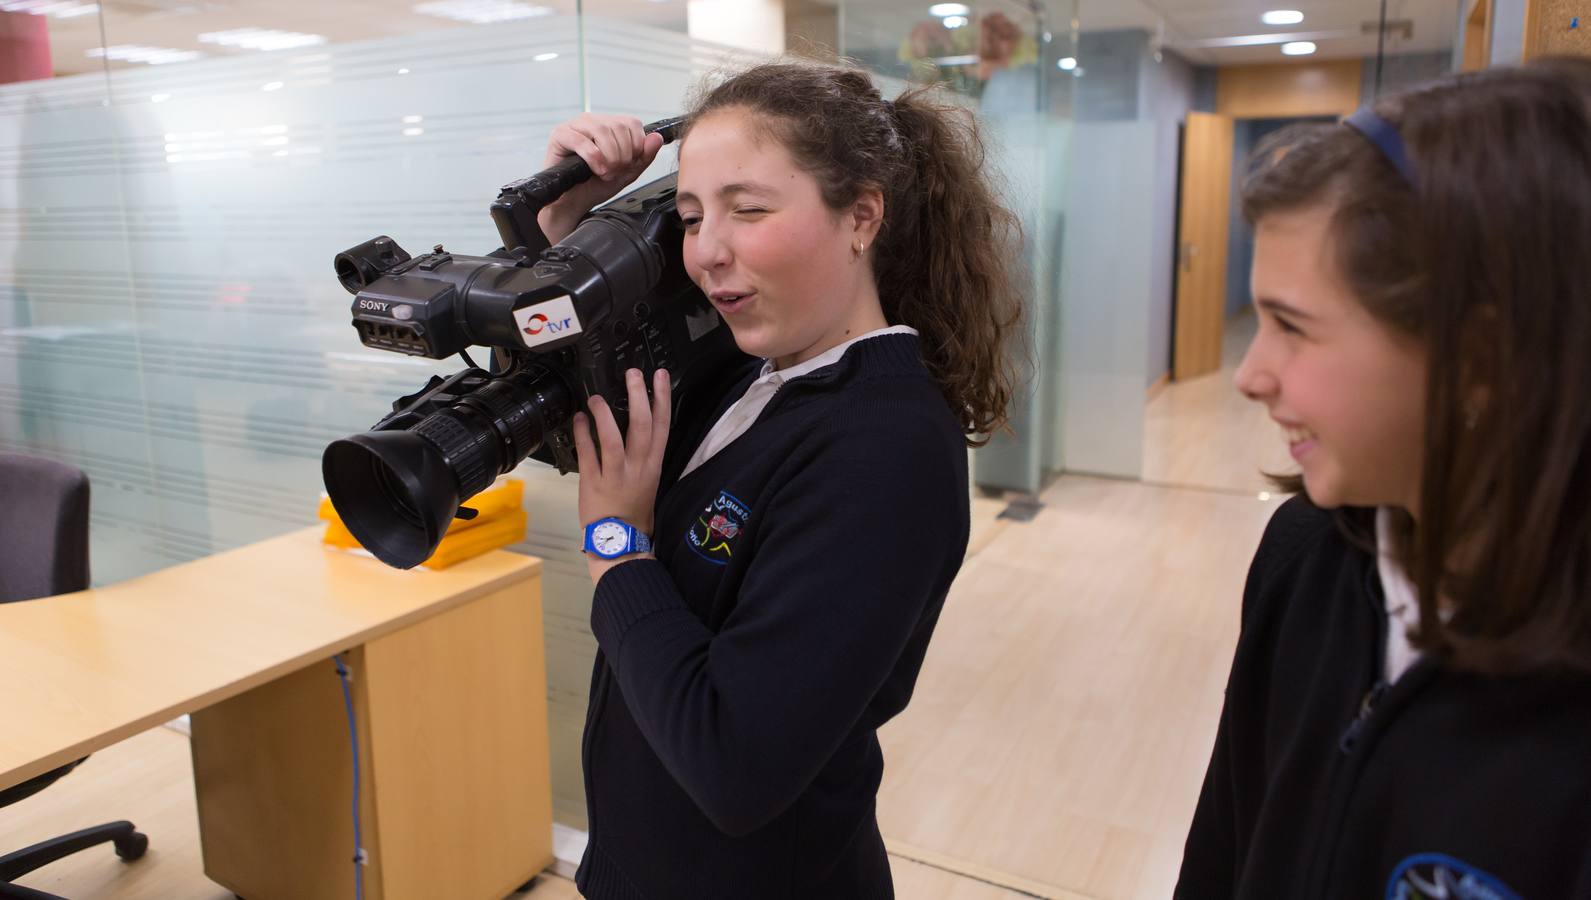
column 748, row 24
column 1508, row 31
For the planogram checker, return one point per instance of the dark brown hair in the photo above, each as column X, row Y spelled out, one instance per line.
column 1479, row 259
column 944, row 257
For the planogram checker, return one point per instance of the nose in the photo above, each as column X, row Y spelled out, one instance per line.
column 1254, row 378
column 708, row 250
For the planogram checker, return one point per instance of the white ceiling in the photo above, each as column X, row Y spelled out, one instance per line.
column 178, row 23
column 1334, row 25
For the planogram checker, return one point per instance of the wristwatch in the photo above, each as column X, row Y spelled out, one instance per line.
column 611, row 538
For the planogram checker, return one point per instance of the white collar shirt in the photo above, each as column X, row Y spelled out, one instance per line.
column 741, row 414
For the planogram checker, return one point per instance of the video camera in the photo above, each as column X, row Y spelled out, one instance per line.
column 563, row 321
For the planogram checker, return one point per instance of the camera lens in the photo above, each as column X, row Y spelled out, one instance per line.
column 398, row 490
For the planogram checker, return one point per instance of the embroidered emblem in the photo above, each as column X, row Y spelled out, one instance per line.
column 715, row 534
column 1437, row 876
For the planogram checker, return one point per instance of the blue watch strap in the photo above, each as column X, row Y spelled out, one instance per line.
column 636, row 541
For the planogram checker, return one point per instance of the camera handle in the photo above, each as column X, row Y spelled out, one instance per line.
column 519, row 202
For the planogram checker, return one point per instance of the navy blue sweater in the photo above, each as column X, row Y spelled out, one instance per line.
column 730, row 747
column 1326, row 783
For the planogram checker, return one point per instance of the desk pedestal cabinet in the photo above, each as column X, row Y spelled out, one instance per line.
column 455, row 800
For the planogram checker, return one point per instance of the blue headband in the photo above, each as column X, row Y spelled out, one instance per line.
column 1384, row 137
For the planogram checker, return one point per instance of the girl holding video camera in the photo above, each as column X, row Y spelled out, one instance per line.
column 770, row 558
column 1409, row 707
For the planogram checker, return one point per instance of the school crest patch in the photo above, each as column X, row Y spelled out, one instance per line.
column 716, row 532
column 1437, row 876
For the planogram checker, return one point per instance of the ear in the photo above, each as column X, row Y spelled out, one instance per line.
column 867, row 214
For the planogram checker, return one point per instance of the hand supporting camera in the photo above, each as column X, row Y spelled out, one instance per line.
column 616, row 149
column 621, row 480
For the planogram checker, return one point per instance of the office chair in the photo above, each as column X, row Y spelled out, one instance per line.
column 43, row 552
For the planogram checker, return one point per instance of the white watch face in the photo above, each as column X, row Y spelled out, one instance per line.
column 610, row 538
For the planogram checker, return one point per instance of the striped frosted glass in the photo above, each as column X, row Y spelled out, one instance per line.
column 169, row 320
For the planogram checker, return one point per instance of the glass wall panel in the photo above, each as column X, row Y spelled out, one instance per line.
column 69, row 385
column 1000, row 58
column 170, row 203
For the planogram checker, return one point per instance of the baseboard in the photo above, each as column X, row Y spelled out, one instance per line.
column 568, row 846
column 1160, row 384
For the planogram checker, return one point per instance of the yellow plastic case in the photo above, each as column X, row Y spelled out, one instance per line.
column 500, row 521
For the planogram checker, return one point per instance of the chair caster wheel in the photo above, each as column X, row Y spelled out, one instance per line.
column 133, row 846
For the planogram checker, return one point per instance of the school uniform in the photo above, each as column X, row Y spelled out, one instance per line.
column 731, row 745
column 1344, row 770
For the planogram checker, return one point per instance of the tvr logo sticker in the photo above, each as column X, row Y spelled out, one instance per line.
column 547, row 321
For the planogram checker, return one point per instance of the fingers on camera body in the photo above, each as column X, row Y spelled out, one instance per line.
column 610, row 145
column 596, row 431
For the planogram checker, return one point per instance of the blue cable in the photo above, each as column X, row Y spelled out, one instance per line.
column 353, row 740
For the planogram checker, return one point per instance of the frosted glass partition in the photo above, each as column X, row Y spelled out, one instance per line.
column 174, row 324
column 1103, row 336
column 1000, row 59
column 169, row 318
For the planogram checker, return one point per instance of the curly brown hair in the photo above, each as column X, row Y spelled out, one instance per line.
column 944, row 260
column 1478, row 259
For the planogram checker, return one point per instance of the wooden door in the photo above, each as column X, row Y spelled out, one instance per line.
column 1478, row 36
column 1201, row 251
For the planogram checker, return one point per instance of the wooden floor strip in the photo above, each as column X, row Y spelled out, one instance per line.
column 967, row 869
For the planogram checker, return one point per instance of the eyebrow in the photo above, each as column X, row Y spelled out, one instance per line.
column 738, row 187
column 1274, row 307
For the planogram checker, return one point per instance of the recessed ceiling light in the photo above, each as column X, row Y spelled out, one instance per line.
column 1282, row 17
column 544, row 57
column 482, row 12
column 1298, row 48
column 57, row 9
column 949, row 9
column 138, row 53
column 955, row 21
column 159, row 98
column 271, row 86
column 261, row 39
column 1066, row 63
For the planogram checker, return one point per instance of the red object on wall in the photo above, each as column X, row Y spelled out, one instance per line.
column 24, row 47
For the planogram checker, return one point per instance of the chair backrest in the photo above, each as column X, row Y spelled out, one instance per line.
column 43, row 528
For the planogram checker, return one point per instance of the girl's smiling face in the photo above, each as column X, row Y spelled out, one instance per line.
column 1347, row 390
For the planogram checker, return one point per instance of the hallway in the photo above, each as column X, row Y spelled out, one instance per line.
column 1203, row 433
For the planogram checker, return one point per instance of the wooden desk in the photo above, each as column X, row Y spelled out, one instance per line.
column 449, row 690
